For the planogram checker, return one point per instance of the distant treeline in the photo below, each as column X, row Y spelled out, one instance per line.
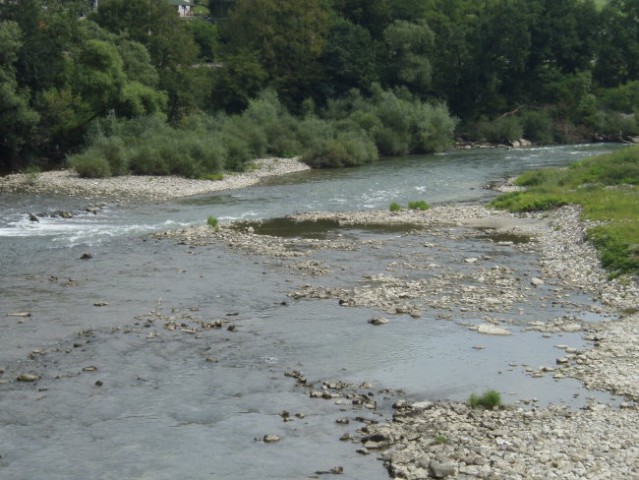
column 338, row 81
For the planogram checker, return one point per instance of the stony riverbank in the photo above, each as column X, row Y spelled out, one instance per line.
column 448, row 439
column 129, row 188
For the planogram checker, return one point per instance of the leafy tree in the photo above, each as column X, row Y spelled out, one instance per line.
column 348, row 59
column 407, row 49
column 156, row 25
column 289, row 35
column 373, row 15
column 618, row 58
column 241, row 78
column 17, row 119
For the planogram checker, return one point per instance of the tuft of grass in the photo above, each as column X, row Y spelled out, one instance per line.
column 212, row 221
column 489, row 400
column 418, row 205
column 441, row 439
column 605, row 186
column 395, row 207
column 214, row 177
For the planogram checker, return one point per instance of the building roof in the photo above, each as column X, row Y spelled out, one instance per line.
column 181, row 2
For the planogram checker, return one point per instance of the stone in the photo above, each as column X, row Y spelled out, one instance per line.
column 536, row 282
column 440, row 469
column 378, row 321
column 28, row 377
column 271, row 438
column 489, row 329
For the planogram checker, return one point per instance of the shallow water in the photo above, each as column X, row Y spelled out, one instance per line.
column 160, row 410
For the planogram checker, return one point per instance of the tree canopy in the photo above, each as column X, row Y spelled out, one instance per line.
column 553, row 70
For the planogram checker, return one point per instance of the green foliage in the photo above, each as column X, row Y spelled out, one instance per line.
column 213, row 177
column 376, row 71
column 418, row 205
column 500, row 130
column 395, row 207
column 605, row 187
column 537, row 127
column 289, row 36
column 521, row 202
column 408, row 46
column 489, row 400
column 17, row 119
column 212, row 222
column 344, row 150
column 89, row 165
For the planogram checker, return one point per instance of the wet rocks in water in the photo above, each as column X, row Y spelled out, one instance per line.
column 28, row 377
column 19, row 314
column 378, row 321
column 271, row 438
column 490, row 329
column 33, row 218
column 86, row 256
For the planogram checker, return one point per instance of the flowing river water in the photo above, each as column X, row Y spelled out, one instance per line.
column 129, row 388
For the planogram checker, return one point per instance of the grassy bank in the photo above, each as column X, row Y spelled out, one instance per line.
column 605, row 187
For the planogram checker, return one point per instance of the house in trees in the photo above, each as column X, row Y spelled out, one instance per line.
column 184, row 7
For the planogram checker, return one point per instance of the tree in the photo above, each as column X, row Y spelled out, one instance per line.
column 373, row 15
column 408, row 46
column 289, row 37
column 349, row 59
column 618, row 57
column 156, row 25
column 17, row 119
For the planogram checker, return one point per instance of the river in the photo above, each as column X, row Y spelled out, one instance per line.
column 129, row 388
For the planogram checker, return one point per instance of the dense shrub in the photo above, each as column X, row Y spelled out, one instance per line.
column 500, row 130
column 145, row 160
column 538, row 127
column 346, row 150
column 90, row 165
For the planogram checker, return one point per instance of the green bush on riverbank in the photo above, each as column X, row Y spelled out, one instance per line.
column 605, row 187
column 348, row 133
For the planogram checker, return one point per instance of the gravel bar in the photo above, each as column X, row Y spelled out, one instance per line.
column 129, row 188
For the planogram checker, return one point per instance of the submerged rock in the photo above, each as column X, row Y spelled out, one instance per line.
column 489, row 329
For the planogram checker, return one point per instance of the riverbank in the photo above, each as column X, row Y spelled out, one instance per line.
column 130, row 188
column 523, row 441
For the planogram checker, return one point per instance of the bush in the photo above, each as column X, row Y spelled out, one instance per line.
column 90, row 165
column 538, row 127
column 501, row 130
column 346, row 150
column 489, row 400
column 212, row 221
column 395, row 207
column 145, row 160
column 418, row 205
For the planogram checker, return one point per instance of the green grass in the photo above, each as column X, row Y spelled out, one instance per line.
column 212, row 222
column 395, row 207
column 418, row 205
column 489, row 400
column 605, row 187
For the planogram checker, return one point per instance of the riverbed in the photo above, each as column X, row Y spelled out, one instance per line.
column 153, row 355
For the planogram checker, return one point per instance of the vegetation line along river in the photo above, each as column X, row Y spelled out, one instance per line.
column 249, row 351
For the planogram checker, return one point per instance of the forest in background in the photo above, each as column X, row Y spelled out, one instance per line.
column 133, row 87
